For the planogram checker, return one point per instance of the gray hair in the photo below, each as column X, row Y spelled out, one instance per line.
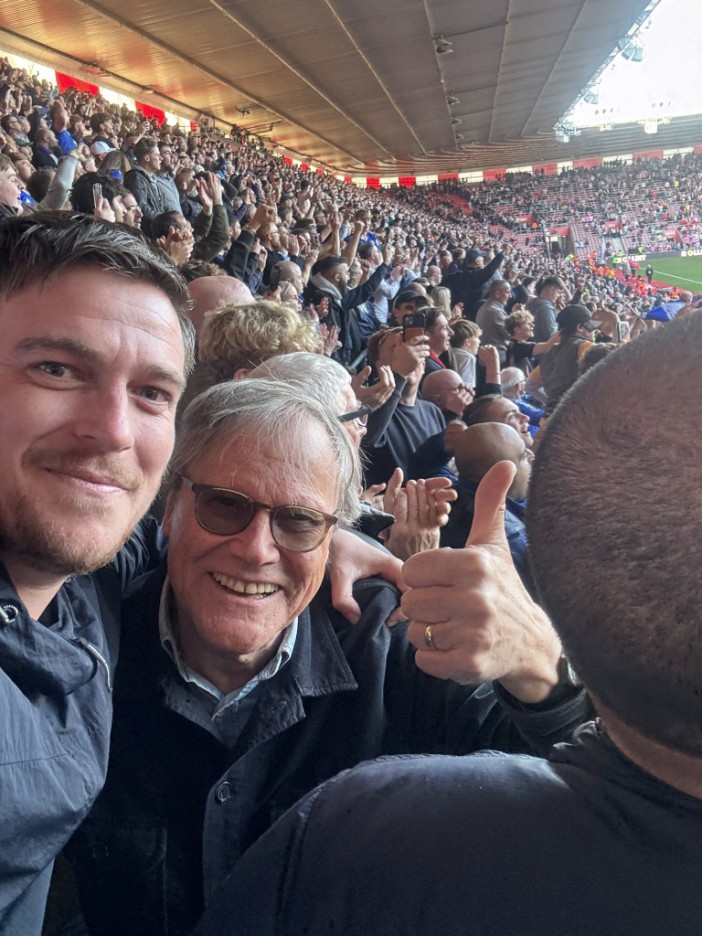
column 270, row 411
column 313, row 374
column 511, row 377
column 36, row 247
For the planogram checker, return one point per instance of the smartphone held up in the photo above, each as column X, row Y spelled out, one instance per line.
column 413, row 325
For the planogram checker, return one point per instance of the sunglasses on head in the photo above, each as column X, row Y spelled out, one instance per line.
column 226, row 513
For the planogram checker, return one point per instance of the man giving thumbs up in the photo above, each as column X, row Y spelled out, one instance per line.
column 472, row 619
column 605, row 837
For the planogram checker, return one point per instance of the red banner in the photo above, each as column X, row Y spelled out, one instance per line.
column 408, row 181
column 491, row 175
column 373, row 183
column 65, row 82
column 546, row 168
column 587, row 163
column 150, row 112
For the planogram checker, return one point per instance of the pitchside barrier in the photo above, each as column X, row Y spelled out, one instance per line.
column 663, row 255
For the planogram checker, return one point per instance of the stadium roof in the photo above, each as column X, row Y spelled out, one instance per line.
column 374, row 87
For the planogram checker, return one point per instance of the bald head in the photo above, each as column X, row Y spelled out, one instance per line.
column 418, row 288
column 480, row 447
column 438, row 386
column 208, row 292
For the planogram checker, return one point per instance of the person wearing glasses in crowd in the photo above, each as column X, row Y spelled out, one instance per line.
column 407, row 519
column 239, row 687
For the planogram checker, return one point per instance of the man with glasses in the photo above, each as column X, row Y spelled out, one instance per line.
column 239, row 687
column 606, row 835
column 358, row 417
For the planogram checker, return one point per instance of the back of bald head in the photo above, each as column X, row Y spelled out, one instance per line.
column 480, row 447
column 208, row 292
column 614, row 519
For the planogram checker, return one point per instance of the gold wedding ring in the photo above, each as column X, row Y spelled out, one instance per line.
column 429, row 638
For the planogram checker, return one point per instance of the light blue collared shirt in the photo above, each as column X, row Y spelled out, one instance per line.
column 221, row 701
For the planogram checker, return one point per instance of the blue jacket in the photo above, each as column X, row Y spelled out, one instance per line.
column 460, row 520
column 179, row 807
column 55, row 711
column 488, row 845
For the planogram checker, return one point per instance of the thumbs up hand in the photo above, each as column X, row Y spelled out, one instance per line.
column 472, row 619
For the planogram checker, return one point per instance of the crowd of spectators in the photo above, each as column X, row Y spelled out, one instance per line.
column 650, row 204
column 367, row 375
column 213, row 183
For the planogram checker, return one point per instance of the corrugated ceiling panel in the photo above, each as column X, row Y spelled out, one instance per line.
column 516, row 66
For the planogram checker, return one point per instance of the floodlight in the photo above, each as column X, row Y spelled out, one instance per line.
column 442, row 46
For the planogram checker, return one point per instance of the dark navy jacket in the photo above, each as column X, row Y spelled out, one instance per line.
column 55, row 712
column 179, row 808
column 487, row 845
column 344, row 314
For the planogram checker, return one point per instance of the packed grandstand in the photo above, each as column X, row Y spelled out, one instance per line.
column 594, row 217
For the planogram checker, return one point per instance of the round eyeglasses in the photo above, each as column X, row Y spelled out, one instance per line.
column 226, row 513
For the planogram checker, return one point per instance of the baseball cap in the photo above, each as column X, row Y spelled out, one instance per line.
column 571, row 316
column 408, row 295
column 473, row 254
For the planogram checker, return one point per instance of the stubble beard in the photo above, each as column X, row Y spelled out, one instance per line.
column 52, row 541
column 52, row 547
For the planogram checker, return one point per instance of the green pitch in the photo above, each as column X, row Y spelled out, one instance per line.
column 685, row 272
